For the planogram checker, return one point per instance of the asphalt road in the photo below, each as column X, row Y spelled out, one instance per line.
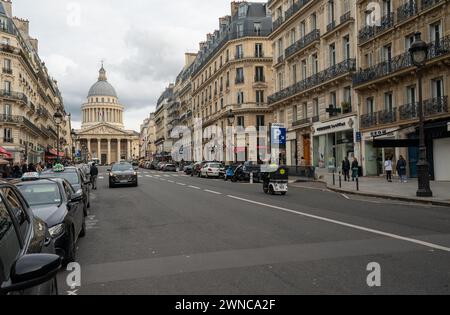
column 180, row 235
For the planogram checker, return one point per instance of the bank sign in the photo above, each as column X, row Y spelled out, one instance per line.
column 278, row 134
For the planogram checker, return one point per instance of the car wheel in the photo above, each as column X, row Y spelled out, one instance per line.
column 83, row 227
column 271, row 190
column 71, row 252
column 283, row 193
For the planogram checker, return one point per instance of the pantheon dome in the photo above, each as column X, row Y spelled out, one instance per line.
column 102, row 104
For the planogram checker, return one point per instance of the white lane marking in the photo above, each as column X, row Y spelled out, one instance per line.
column 139, row 176
column 212, row 192
column 345, row 196
column 353, row 226
column 181, row 184
column 166, row 175
column 171, row 181
column 149, row 176
column 101, row 177
column 194, row 187
column 162, row 179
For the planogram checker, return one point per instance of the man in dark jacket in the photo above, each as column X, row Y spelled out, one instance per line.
column 401, row 170
column 346, row 169
column 94, row 174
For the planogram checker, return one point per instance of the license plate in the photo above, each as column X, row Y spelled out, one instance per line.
column 124, row 181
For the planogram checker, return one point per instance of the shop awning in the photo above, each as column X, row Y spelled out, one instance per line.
column 403, row 143
column 5, row 153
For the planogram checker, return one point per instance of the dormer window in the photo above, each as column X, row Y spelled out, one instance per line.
column 242, row 12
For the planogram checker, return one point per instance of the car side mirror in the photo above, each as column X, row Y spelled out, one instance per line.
column 32, row 270
column 77, row 197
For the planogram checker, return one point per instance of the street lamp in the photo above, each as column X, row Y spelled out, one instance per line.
column 58, row 121
column 231, row 117
column 74, row 144
column 419, row 56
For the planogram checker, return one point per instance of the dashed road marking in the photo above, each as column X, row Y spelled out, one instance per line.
column 212, row 192
column 341, row 223
column 181, row 184
column 194, row 187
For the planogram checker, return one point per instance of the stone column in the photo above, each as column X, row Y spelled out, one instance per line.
column 89, row 146
column 118, row 150
column 109, row 152
column 99, row 150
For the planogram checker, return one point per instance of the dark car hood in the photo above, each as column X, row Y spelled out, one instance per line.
column 130, row 173
column 50, row 214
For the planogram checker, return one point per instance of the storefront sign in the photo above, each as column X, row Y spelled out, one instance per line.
column 291, row 136
column 378, row 133
column 334, row 126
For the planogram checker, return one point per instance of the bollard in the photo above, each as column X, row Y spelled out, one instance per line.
column 251, row 178
column 357, row 183
column 340, row 180
column 334, row 179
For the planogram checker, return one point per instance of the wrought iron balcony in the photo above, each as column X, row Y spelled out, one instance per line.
column 302, row 43
column 322, row 77
column 368, row 120
column 14, row 95
column 260, row 78
column 407, row 10
column 280, row 59
column 296, row 6
column 10, row 119
column 387, row 116
column 436, row 49
column 7, row 70
column 331, row 26
column 315, row 119
column 426, row 4
column 368, row 32
column 346, row 17
column 239, row 80
column 277, row 23
column 435, row 106
column 301, row 122
column 8, row 140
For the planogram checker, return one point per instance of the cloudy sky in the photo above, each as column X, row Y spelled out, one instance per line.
column 142, row 42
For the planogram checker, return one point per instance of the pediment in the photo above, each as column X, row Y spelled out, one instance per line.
column 103, row 129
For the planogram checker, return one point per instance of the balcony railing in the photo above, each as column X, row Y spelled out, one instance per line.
column 280, row 59
column 326, row 75
column 220, row 43
column 260, row 78
column 431, row 107
column 436, row 49
column 331, row 26
column 301, row 122
column 8, row 140
column 426, row 4
column 14, row 119
column 239, row 80
column 14, row 95
column 370, row 31
column 7, row 70
column 303, row 42
column 346, row 17
column 406, row 11
column 297, row 6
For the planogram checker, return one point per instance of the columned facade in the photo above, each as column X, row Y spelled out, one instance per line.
column 102, row 136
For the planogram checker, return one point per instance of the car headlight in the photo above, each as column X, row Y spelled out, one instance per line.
column 56, row 230
column 135, row 174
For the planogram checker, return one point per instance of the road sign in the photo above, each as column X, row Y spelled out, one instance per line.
column 278, row 134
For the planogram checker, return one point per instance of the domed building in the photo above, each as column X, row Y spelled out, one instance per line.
column 102, row 135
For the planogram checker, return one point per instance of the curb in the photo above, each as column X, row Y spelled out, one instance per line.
column 391, row 197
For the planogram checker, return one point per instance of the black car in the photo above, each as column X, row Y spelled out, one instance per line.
column 188, row 169
column 76, row 178
column 123, row 174
column 61, row 207
column 28, row 264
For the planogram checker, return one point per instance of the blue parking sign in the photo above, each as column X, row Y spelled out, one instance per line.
column 278, row 135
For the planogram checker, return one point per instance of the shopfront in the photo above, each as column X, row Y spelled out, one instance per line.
column 332, row 142
column 373, row 156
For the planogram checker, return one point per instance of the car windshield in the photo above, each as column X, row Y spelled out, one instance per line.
column 215, row 165
column 41, row 194
column 122, row 168
column 71, row 177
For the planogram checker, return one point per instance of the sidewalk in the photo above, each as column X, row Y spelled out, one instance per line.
column 379, row 187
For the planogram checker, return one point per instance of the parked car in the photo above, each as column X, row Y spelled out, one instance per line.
column 210, row 170
column 252, row 167
column 229, row 171
column 160, row 166
column 122, row 174
column 27, row 254
column 169, row 168
column 76, row 178
column 61, row 207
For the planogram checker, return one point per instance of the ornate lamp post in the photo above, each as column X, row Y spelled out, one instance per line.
column 58, row 121
column 419, row 56
column 231, row 118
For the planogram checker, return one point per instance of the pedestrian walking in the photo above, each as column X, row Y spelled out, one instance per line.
column 39, row 168
column 94, row 174
column 17, row 173
column 31, row 168
column 401, row 170
column 355, row 169
column 388, row 169
column 346, row 169
column 24, row 168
